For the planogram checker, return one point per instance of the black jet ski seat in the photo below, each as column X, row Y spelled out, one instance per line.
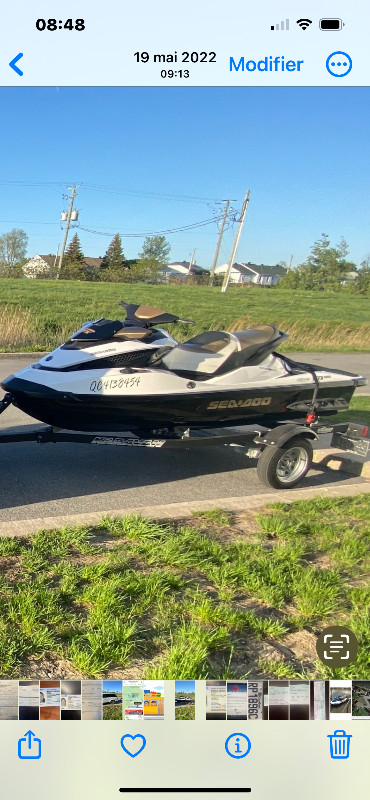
column 216, row 352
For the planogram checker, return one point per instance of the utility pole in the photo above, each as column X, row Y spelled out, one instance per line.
column 219, row 240
column 68, row 222
column 55, row 262
column 236, row 242
column 192, row 260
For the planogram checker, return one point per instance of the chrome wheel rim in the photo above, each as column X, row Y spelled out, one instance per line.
column 292, row 464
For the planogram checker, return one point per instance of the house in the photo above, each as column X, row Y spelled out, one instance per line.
column 46, row 266
column 180, row 270
column 350, row 278
column 253, row 273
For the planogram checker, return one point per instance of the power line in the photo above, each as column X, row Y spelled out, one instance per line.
column 200, row 224
column 96, row 187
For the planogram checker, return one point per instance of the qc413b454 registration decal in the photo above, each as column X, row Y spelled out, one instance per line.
column 250, row 401
column 115, row 383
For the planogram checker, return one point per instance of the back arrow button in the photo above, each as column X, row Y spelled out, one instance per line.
column 13, row 63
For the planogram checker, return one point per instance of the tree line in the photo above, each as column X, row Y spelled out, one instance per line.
column 114, row 266
column 326, row 267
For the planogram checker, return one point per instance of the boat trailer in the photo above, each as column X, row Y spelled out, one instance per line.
column 283, row 452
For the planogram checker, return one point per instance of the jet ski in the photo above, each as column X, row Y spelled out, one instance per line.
column 132, row 375
column 337, row 701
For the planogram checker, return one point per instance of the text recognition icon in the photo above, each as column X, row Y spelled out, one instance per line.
column 237, row 745
column 29, row 746
column 133, row 745
column 337, row 646
column 339, row 64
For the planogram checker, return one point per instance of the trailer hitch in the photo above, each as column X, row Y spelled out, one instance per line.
column 5, row 402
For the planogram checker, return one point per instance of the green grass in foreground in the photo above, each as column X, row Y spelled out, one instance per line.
column 185, row 712
column 113, row 711
column 191, row 600
column 359, row 411
column 39, row 315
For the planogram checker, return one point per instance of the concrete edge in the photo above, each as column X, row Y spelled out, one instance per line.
column 33, row 355
column 181, row 510
column 342, row 462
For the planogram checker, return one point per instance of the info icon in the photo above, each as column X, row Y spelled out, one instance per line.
column 337, row 646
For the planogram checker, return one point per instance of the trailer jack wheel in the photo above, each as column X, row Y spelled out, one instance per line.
column 283, row 467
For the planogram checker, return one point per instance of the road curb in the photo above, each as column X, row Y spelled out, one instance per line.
column 181, row 510
column 342, row 462
column 38, row 354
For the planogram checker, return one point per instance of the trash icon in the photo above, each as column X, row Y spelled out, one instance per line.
column 339, row 744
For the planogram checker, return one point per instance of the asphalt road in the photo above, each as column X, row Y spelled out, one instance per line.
column 59, row 479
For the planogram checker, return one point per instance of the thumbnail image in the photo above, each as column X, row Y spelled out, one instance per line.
column 92, row 700
column 340, row 699
column 279, row 696
column 319, row 700
column 360, row 698
column 237, row 700
column 257, row 700
column 8, row 700
column 184, row 699
column 70, row 700
column 215, row 699
column 29, row 699
column 112, row 699
column 50, row 700
column 133, row 699
column 153, row 700
column 299, row 700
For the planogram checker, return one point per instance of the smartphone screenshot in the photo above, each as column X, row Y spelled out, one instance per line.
column 185, row 400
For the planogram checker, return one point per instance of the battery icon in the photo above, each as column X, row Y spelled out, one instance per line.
column 334, row 24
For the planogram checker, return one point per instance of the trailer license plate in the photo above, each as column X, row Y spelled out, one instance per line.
column 358, row 446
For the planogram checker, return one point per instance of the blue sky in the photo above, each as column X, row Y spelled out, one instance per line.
column 172, row 152
column 112, row 686
column 184, row 686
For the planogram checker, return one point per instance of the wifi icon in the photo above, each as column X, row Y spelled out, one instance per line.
column 304, row 23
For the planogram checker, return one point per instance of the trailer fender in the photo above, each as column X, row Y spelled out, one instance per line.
column 278, row 436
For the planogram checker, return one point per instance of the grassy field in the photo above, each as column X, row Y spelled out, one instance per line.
column 113, row 711
column 39, row 315
column 185, row 712
column 359, row 411
column 216, row 595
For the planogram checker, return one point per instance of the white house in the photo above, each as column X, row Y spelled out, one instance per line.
column 47, row 265
column 180, row 270
column 253, row 273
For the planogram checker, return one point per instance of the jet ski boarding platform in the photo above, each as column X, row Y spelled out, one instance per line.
column 283, row 452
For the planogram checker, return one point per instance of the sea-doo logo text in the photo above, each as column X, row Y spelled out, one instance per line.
column 251, row 401
column 128, row 441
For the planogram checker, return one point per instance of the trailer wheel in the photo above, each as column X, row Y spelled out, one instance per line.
column 283, row 467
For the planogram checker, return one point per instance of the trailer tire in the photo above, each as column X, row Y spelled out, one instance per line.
column 285, row 466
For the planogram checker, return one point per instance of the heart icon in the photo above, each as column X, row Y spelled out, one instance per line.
column 132, row 748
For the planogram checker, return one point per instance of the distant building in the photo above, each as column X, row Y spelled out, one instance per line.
column 180, row 269
column 45, row 266
column 253, row 273
column 351, row 277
